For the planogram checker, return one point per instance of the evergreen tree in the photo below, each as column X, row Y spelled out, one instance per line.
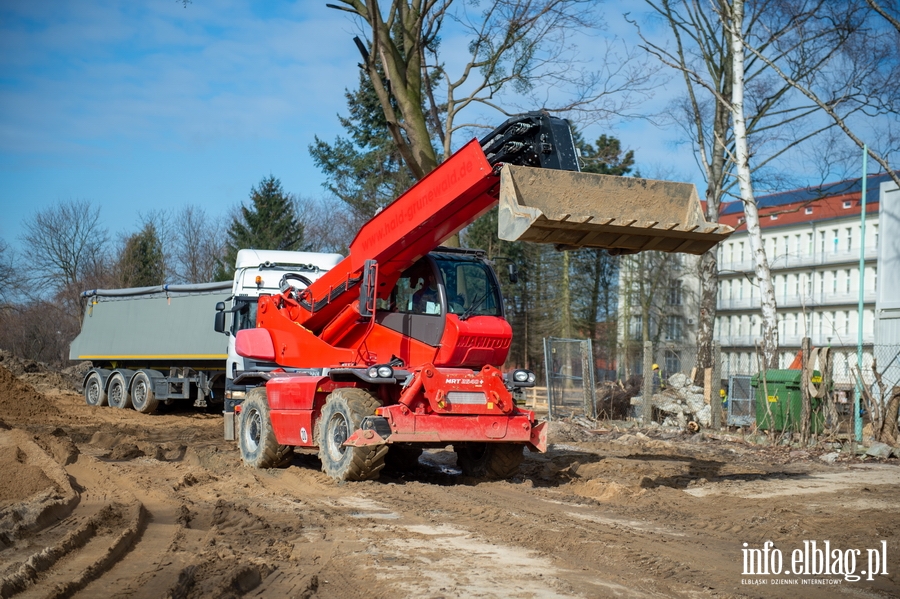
column 142, row 261
column 605, row 157
column 268, row 223
column 365, row 169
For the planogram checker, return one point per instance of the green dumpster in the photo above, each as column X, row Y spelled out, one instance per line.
column 784, row 402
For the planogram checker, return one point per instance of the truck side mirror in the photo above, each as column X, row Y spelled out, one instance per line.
column 367, row 289
column 513, row 272
column 219, row 324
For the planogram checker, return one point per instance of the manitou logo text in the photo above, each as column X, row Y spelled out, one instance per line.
column 813, row 559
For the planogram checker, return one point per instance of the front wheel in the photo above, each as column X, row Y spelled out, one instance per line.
column 94, row 393
column 259, row 448
column 341, row 417
column 489, row 460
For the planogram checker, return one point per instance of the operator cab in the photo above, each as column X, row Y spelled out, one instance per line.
column 448, row 281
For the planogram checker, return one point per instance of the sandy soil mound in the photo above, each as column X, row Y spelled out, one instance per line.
column 30, row 479
column 45, row 377
column 20, row 403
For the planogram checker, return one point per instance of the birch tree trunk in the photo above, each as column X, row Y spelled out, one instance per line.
column 751, row 213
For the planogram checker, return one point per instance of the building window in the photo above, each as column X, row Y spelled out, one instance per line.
column 834, row 281
column 809, row 243
column 674, row 328
column 809, row 210
column 673, row 361
column 847, row 280
column 742, row 251
column 822, row 242
column 847, row 204
column 675, row 293
column 636, row 327
column 875, row 227
column 849, row 238
column 797, row 249
column 834, row 249
column 773, row 217
column 846, row 322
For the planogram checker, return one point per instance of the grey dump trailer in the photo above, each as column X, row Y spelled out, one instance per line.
column 153, row 344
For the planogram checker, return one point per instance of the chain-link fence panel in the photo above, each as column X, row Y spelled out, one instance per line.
column 569, row 368
column 740, row 401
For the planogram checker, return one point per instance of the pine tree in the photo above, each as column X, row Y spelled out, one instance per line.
column 365, row 169
column 142, row 262
column 268, row 223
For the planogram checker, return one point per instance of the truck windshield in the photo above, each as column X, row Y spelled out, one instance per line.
column 244, row 314
column 471, row 287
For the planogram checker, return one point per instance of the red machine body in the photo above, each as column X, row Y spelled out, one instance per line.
column 445, row 386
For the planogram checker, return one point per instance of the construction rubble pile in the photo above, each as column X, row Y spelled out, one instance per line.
column 680, row 402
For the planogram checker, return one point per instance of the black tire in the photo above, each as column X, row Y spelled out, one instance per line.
column 259, row 448
column 143, row 399
column 117, row 392
column 489, row 460
column 94, row 393
column 342, row 415
column 402, row 457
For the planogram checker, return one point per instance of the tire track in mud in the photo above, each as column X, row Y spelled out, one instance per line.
column 64, row 558
column 570, row 541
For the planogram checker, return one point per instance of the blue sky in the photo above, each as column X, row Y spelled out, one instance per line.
column 142, row 106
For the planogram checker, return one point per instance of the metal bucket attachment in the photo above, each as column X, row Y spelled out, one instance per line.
column 621, row 214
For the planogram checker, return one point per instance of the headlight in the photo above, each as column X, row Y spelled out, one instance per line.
column 522, row 378
column 372, row 372
column 385, row 372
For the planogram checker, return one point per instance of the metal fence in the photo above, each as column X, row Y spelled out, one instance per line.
column 571, row 377
column 569, row 368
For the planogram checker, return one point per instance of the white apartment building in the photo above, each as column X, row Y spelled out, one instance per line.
column 812, row 239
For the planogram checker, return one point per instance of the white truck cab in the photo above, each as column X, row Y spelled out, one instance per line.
column 256, row 273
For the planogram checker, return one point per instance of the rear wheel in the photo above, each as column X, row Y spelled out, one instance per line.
column 118, row 392
column 259, row 448
column 341, row 417
column 489, row 460
column 94, row 394
column 143, row 399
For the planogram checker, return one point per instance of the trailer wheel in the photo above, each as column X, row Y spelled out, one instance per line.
column 143, row 399
column 489, row 460
column 118, row 395
column 259, row 448
column 343, row 414
column 94, row 394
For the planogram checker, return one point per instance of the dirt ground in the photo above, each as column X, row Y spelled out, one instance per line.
column 100, row 502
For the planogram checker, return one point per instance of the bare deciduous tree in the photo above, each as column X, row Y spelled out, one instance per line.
column 65, row 241
column 521, row 46
column 197, row 241
column 859, row 62
column 8, row 275
column 742, row 163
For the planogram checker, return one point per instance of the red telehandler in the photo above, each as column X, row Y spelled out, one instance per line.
column 399, row 346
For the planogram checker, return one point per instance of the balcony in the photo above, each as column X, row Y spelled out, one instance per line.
column 799, row 261
column 810, row 301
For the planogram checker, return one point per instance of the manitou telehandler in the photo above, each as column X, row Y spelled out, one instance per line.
column 398, row 347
